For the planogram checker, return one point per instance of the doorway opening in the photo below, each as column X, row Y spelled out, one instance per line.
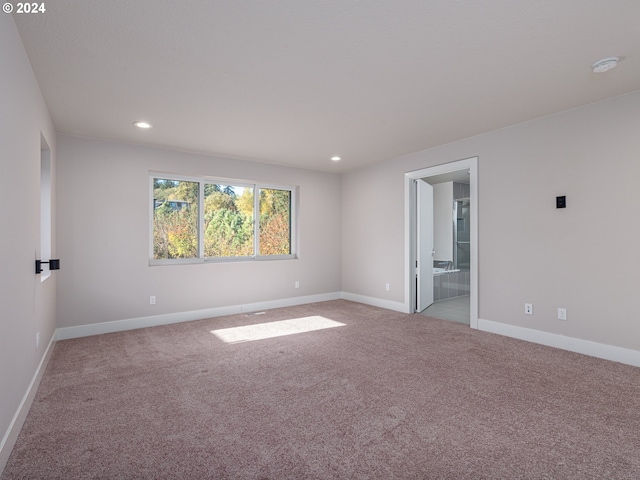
column 441, row 241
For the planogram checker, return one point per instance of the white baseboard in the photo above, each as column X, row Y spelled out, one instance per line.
column 376, row 302
column 11, row 435
column 169, row 318
column 586, row 347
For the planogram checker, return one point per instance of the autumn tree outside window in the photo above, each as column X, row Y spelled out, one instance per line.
column 197, row 219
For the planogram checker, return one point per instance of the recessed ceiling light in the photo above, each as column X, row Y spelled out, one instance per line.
column 605, row 65
column 141, row 124
column 336, row 158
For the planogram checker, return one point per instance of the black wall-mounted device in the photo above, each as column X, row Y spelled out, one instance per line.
column 561, row 202
column 54, row 264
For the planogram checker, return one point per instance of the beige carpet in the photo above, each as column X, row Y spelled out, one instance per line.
column 365, row 393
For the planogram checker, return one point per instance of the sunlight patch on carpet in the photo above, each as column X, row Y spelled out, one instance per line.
column 260, row 331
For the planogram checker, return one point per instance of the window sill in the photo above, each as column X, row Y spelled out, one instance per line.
column 196, row 261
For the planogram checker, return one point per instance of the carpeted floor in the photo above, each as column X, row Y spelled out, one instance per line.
column 386, row 395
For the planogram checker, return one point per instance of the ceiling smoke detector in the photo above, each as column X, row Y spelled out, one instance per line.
column 604, row 65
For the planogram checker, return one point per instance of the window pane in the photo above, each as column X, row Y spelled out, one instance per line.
column 175, row 219
column 275, row 222
column 228, row 221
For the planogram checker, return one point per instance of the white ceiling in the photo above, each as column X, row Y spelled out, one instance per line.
column 294, row 82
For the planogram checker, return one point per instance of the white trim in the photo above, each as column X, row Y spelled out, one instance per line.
column 410, row 234
column 577, row 345
column 376, row 302
column 11, row 435
column 169, row 318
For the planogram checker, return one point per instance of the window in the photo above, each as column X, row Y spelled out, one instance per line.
column 203, row 219
column 228, row 221
column 275, row 221
column 175, row 219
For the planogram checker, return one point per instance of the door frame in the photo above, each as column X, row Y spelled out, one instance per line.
column 470, row 164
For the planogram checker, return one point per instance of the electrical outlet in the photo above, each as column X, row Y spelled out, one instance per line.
column 37, row 340
column 562, row 314
column 528, row 308
column 297, row 284
column 388, row 287
column 152, row 300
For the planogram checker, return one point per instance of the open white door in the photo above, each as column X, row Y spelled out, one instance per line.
column 424, row 245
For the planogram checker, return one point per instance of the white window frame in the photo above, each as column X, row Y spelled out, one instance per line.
column 204, row 180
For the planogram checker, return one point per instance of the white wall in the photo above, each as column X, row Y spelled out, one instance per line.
column 103, row 225
column 27, row 306
column 582, row 258
column 443, row 221
column 372, row 217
